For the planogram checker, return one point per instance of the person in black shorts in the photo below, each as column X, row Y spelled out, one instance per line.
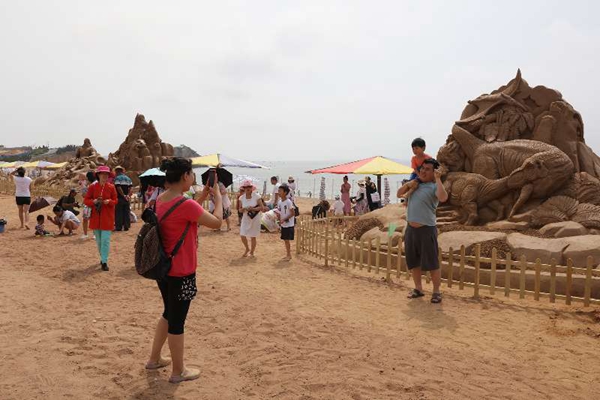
column 420, row 240
column 287, row 213
column 22, row 195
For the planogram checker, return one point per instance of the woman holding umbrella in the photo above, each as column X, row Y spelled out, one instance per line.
column 102, row 198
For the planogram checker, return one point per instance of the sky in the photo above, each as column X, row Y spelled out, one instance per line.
column 282, row 80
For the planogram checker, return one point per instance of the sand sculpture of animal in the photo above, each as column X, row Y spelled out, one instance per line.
column 469, row 191
column 564, row 208
column 500, row 159
column 361, row 227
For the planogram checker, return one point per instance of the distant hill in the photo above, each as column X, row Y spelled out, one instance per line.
column 185, row 151
column 27, row 153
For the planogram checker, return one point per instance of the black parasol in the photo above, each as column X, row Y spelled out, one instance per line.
column 224, row 176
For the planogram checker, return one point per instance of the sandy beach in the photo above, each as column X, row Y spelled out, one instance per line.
column 265, row 329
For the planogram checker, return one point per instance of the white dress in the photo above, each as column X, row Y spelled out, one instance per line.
column 250, row 227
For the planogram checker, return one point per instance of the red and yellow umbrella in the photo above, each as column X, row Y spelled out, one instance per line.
column 377, row 165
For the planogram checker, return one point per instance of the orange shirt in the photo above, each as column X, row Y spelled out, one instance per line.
column 105, row 219
column 415, row 163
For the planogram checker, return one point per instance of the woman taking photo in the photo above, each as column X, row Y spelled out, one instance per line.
column 251, row 205
column 23, row 195
column 179, row 288
column 101, row 197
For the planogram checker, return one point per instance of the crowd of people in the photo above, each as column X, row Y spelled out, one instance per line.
column 106, row 209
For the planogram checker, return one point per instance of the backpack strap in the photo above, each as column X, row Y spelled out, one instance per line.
column 180, row 241
column 170, row 210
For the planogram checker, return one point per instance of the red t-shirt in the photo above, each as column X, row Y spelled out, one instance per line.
column 185, row 261
column 416, row 163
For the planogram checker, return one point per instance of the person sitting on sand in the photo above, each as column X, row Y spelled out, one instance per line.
column 68, row 202
column 420, row 240
column 40, row 230
column 179, row 287
column 64, row 219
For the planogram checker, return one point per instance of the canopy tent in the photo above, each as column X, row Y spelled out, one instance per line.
column 213, row 160
column 37, row 164
column 377, row 165
column 13, row 164
column 57, row 165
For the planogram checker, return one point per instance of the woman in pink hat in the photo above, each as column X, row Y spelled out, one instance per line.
column 251, row 205
column 101, row 197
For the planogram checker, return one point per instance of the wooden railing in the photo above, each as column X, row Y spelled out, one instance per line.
column 324, row 239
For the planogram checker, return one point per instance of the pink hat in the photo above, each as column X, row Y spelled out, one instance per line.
column 103, row 168
column 248, row 183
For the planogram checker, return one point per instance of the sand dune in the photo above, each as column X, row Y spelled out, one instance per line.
column 265, row 329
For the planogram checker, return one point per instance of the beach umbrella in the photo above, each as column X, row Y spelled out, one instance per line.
column 214, row 160
column 37, row 164
column 153, row 177
column 386, row 192
column 322, row 189
column 377, row 165
column 13, row 164
column 41, row 202
column 224, row 176
column 57, row 165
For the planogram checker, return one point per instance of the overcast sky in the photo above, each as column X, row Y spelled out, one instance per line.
column 273, row 80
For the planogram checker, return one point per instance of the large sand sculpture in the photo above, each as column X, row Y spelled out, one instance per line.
column 519, row 154
column 86, row 159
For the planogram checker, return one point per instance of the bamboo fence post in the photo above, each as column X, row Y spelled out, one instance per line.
column 493, row 272
column 327, row 245
column 361, row 255
column 461, row 282
column 298, row 239
column 398, row 259
column 340, row 247
column 587, row 291
column 507, row 275
column 477, row 269
column 523, row 265
column 388, row 274
column 377, row 254
column 370, row 247
column 538, row 270
column 346, row 255
column 552, row 280
column 450, row 266
column 353, row 253
column 569, row 281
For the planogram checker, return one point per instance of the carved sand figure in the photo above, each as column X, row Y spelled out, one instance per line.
column 511, row 132
column 86, row 159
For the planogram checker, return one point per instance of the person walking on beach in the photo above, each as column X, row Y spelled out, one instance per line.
column 345, row 191
column 285, row 209
column 272, row 203
column 123, row 185
column 420, row 240
column 22, row 195
column 101, row 197
column 373, row 197
column 251, row 206
column 179, row 287
column 84, row 183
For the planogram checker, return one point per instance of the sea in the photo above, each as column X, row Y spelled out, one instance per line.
column 307, row 185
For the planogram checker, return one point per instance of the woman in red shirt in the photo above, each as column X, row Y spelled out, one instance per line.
column 179, row 288
column 101, row 197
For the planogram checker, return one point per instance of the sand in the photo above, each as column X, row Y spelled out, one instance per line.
column 265, row 329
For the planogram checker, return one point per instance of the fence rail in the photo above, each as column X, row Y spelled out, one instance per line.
column 324, row 239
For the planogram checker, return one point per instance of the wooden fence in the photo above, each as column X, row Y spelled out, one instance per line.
column 325, row 240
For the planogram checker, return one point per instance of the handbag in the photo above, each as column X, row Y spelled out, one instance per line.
column 375, row 197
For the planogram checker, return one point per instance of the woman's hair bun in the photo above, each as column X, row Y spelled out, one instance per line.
column 175, row 167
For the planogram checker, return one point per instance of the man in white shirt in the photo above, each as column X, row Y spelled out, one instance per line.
column 287, row 219
column 272, row 203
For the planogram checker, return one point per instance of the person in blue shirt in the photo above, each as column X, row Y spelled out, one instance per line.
column 420, row 240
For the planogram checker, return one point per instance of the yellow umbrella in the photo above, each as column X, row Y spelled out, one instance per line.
column 213, row 160
column 37, row 164
column 57, row 166
column 10, row 164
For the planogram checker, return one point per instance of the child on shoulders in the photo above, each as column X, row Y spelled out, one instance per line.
column 418, row 148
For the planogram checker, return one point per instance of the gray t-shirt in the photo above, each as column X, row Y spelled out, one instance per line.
column 422, row 204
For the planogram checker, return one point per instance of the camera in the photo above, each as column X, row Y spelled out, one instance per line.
column 402, row 200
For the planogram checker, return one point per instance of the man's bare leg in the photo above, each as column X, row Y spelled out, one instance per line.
column 416, row 275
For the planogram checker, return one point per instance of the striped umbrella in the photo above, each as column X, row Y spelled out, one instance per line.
column 214, row 160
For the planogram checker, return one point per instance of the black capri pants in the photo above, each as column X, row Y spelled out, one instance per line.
column 421, row 248
column 177, row 294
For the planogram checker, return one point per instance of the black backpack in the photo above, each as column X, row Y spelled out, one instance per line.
column 151, row 260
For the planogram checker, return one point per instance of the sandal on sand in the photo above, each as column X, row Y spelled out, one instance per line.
column 415, row 293
column 161, row 363
column 436, row 298
column 187, row 375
